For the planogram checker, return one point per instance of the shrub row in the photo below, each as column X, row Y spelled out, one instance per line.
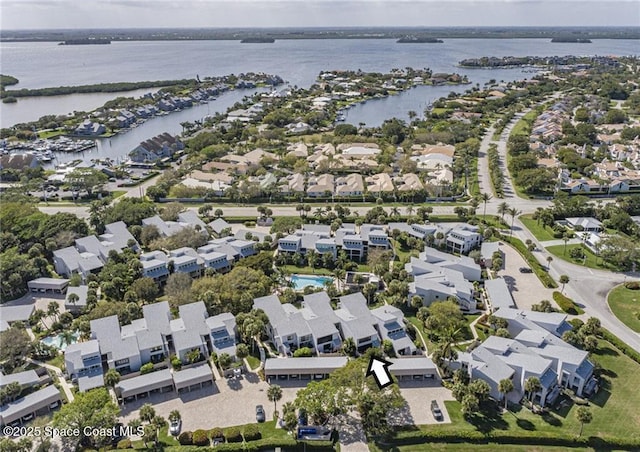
column 502, row 437
column 632, row 285
column 260, row 445
column 617, row 343
column 566, row 304
column 497, row 176
column 538, row 269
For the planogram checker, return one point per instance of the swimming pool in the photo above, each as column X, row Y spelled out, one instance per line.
column 58, row 342
column 301, row 281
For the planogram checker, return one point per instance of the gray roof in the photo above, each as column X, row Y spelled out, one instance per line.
column 118, row 234
column 74, row 352
column 20, row 312
column 193, row 375
column 488, row 248
column 157, row 317
column 304, row 365
column 26, row 378
column 499, row 294
column 218, row 225
column 107, row 331
column 186, row 340
column 87, row 382
column 144, row 383
column 192, row 218
column 414, row 365
column 194, row 315
column 148, row 339
column 29, row 404
column 45, row 283
column 81, row 292
column 492, row 367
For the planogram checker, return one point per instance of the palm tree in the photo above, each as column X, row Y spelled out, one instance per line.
column 73, row 298
column 410, row 210
column 53, row 309
column 112, row 378
column 564, row 279
column 505, row 387
column 503, row 209
column 514, row 213
column 274, row 393
column 486, row 197
column 532, row 385
column 174, row 415
column 395, row 212
column 584, row 417
column 67, row 337
column 565, row 239
column 549, row 259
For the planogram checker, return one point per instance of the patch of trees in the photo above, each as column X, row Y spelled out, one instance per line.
column 95, row 88
column 348, row 389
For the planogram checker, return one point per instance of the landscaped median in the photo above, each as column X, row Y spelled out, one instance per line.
column 615, row 424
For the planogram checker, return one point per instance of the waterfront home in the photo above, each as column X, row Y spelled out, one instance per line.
column 160, row 147
column 89, row 128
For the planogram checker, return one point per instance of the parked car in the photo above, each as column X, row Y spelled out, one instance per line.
column 27, row 418
column 435, row 410
column 302, row 417
column 260, row 416
column 525, row 270
column 175, row 426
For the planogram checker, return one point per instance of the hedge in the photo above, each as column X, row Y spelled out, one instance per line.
column 216, row 433
column 200, row 438
column 261, row 445
column 251, row 433
column 502, row 437
column 185, row 438
column 233, row 435
column 538, row 269
column 566, row 304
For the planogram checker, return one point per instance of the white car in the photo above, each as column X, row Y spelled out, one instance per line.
column 175, row 426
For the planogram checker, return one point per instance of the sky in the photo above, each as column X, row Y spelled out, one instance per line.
column 38, row 14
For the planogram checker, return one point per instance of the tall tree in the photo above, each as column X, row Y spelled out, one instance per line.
column 584, row 416
column 274, row 393
column 505, row 386
column 94, row 409
column 486, row 197
column 564, row 279
column 532, row 385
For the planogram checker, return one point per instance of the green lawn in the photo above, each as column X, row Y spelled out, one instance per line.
column 625, row 304
column 253, row 362
column 592, row 261
column 540, row 232
column 306, row 270
column 614, row 409
column 491, row 447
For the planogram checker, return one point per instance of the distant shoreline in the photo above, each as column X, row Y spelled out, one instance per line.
column 267, row 34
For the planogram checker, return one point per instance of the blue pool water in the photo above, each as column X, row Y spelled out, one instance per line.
column 57, row 341
column 301, row 281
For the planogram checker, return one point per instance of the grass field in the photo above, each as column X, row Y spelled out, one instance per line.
column 614, row 410
column 625, row 305
column 591, row 261
column 540, row 232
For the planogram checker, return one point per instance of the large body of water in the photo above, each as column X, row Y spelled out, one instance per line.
column 45, row 64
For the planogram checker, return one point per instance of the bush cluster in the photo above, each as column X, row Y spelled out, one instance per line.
column 233, row 435
column 632, row 285
column 185, row 438
column 251, row 432
column 200, row 438
column 565, row 303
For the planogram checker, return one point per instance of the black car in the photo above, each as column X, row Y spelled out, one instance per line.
column 260, row 416
column 525, row 270
column 435, row 410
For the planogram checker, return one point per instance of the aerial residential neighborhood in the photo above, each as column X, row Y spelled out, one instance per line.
column 353, row 239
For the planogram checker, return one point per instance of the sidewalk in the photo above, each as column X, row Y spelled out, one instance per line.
column 63, row 383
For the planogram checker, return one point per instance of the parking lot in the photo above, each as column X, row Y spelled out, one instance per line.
column 227, row 403
column 525, row 288
column 419, row 395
